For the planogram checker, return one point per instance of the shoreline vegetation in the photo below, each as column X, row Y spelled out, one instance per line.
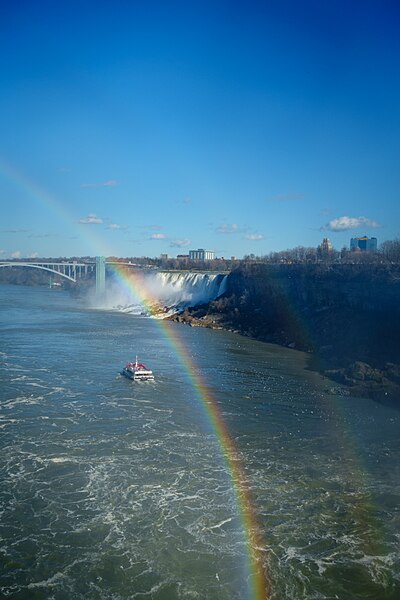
column 347, row 317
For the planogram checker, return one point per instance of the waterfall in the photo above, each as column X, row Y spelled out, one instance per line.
column 171, row 291
column 180, row 290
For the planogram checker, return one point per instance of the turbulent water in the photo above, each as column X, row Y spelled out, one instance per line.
column 112, row 489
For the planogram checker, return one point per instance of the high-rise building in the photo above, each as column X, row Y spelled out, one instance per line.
column 201, row 254
column 364, row 243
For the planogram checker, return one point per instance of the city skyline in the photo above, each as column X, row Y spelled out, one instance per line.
column 132, row 130
column 365, row 243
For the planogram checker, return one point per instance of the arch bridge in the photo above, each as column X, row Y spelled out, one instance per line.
column 69, row 270
column 74, row 270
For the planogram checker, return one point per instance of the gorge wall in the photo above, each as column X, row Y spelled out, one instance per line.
column 346, row 316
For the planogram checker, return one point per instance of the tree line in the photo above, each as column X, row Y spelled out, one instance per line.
column 388, row 253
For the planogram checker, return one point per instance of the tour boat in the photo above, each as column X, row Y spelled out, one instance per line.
column 137, row 371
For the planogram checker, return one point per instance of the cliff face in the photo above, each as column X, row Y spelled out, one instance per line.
column 318, row 286
column 345, row 315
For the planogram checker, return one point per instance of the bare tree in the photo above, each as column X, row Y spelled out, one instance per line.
column 390, row 251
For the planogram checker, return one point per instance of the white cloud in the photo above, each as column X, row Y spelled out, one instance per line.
column 345, row 223
column 227, row 228
column 91, row 219
column 109, row 183
column 34, row 255
column 16, row 254
column 114, row 226
column 158, row 236
column 180, row 243
column 254, row 237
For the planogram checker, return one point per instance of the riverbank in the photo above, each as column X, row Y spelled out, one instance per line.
column 358, row 378
column 346, row 319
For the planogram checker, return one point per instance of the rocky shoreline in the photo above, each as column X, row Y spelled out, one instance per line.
column 358, row 379
column 354, row 344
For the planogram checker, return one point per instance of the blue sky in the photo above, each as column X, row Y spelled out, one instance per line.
column 140, row 128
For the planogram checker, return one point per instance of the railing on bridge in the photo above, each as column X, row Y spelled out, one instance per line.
column 69, row 270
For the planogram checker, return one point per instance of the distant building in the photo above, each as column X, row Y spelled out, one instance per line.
column 164, row 256
column 201, row 254
column 325, row 247
column 364, row 243
column 183, row 256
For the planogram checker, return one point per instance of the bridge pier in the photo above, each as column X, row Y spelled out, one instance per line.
column 100, row 276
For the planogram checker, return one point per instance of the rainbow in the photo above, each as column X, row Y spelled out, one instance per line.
column 34, row 191
column 259, row 588
column 52, row 205
column 259, row 585
column 258, row 582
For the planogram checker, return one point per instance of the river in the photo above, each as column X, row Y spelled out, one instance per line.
column 112, row 489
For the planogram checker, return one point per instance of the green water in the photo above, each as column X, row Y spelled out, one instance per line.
column 111, row 489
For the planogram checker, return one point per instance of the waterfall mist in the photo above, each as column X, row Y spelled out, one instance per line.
column 168, row 293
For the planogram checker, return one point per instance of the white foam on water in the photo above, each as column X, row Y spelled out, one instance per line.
column 378, row 566
column 219, row 525
column 51, row 582
column 9, row 404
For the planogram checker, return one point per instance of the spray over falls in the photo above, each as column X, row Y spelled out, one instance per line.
column 168, row 292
